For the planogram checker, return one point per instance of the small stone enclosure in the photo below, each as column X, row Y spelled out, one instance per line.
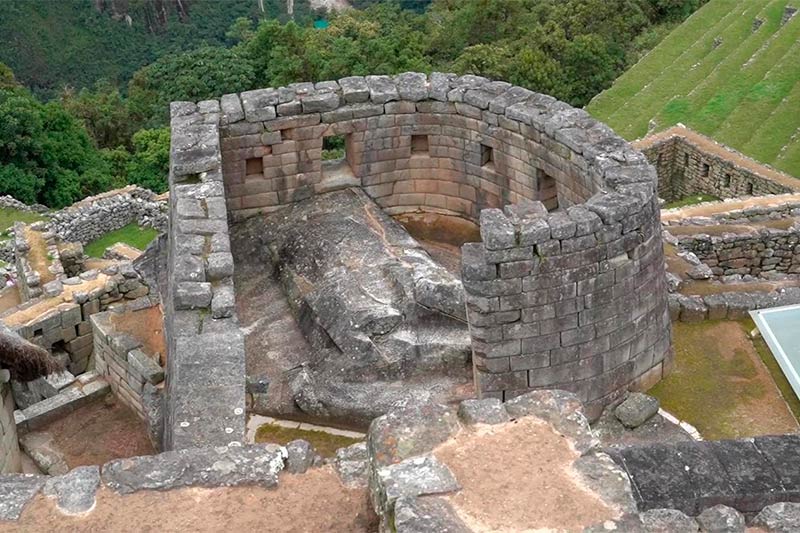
column 566, row 289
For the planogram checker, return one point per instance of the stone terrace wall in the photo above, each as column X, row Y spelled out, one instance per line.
column 29, row 281
column 132, row 374
column 9, row 446
column 768, row 250
column 447, row 144
column 574, row 299
column 686, row 167
column 95, row 216
column 205, row 400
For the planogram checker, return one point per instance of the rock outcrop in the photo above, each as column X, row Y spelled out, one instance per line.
column 377, row 310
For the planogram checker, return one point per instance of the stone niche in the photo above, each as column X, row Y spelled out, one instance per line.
column 566, row 288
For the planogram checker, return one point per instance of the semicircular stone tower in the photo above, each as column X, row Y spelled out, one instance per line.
column 567, row 288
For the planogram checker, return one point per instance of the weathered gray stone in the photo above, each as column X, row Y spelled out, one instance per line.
column 497, row 232
column 189, row 295
column 300, row 456
column 352, row 465
column 354, row 89
column 319, row 102
column 780, row 517
column 219, row 265
column 416, row 476
column 382, row 89
column 259, row 105
column 721, row 519
column 409, row 431
column 562, row 409
column 603, row 476
column 196, row 467
column 16, row 490
column 668, row 521
column 42, row 450
column 637, row 409
column 486, row 411
column 75, row 492
column 223, row 303
column 376, row 292
column 231, row 108
column 424, row 515
column 412, row 86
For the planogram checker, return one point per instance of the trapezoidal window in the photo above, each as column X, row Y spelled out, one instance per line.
column 547, row 190
column 336, row 160
column 686, row 159
column 487, row 156
column 726, row 180
column 254, row 166
column 749, row 189
column 419, row 145
column 705, row 170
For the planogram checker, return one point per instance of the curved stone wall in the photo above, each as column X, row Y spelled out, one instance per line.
column 566, row 288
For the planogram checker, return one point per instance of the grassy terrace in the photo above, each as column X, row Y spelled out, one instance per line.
column 131, row 234
column 9, row 216
column 725, row 384
column 717, row 76
column 691, row 200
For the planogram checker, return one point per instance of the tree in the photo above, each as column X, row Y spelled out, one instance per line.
column 149, row 165
column 7, row 80
column 104, row 113
column 203, row 73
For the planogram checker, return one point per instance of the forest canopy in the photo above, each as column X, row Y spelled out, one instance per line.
column 107, row 125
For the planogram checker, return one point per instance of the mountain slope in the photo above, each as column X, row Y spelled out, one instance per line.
column 722, row 74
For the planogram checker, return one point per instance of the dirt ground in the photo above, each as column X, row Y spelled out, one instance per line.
column 535, row 489
column 100, row 432
column 47, row 304
column 9, row 297
column 310, row 502
column 146, row 326
column 721, row 386
column 38, row 255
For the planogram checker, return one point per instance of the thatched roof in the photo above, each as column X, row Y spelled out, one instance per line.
column 25, row 360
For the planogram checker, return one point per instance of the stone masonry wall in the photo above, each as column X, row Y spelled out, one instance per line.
column 9, row 446
column 128, row 369
column 205, row 402
column 95, row 216
column 768, row 250
column 686, row 168
column 574, row 299
column 29, row 280
column 447, row 144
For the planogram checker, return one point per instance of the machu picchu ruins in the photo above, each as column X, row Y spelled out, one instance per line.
column 412, row 302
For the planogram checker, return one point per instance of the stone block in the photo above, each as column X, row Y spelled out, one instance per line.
column 189, row 295
column 143, row 365
column 259, row 105
column 486, row 411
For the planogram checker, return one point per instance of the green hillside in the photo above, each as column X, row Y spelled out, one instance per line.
column 721, row 78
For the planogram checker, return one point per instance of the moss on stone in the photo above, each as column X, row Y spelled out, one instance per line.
column 325, row 443
column 715, row 384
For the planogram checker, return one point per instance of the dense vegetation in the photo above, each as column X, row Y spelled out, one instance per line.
column 106, row 125
column 721, row 78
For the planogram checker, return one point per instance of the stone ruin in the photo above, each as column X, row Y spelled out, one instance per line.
column 295, row 281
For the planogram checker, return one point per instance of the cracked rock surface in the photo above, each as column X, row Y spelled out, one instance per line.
column 384, row 322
